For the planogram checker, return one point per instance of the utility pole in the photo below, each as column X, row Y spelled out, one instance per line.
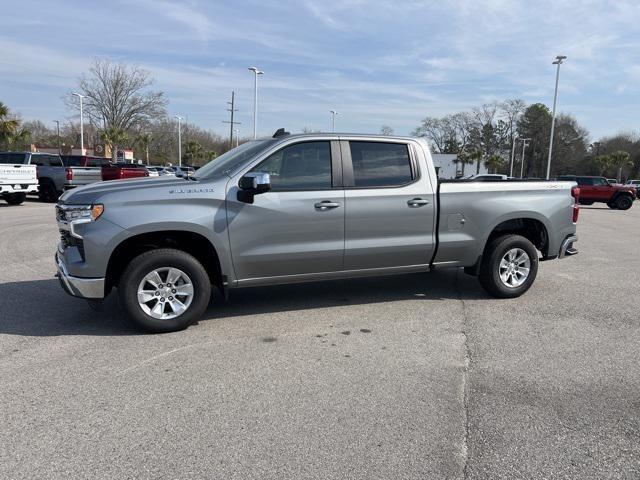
column 58, row 130
column 232, row 123
column 558, row 62
column 524, row 145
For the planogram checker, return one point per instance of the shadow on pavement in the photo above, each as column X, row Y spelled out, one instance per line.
column 41, row 308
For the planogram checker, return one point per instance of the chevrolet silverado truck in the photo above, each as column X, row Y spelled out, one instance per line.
column 299, row 208
column 51, row 171
column 82, row 170
column 599, row 189
column 16, row 178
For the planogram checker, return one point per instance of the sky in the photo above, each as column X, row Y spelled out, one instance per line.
column 376, row 62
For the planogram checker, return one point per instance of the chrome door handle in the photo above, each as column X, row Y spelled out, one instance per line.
column 326, row 205
column 417, row 202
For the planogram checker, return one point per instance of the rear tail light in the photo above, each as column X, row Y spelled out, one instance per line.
column 575, row 193
column 69, row 174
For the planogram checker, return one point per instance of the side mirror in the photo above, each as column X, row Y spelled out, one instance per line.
column 253, row 184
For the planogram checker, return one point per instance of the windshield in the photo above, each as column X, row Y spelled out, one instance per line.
column 233, row 159
column 16, row 158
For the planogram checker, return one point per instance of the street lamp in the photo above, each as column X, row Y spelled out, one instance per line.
column 557, row 62
column 524, row 145
column 81, row 123
column 179, row 118
column 256, row 72
column 333, row 119
column 57, row 122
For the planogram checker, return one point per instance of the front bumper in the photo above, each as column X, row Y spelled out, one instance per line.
column 566, row 248
column 19, row 188
column 90, row 288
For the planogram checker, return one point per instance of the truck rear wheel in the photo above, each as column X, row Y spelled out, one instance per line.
column 15, row 198
column 47, row 192
column 164, row 290
column 509, row 266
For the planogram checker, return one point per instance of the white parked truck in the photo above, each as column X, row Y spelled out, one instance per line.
column 16, row 179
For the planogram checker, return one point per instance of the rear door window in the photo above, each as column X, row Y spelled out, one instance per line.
column 379, row 164
column 55, row 161
column 40, row 160
column 585, row 182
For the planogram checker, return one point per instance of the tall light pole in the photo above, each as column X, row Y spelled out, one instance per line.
column 179, row 118
column 81, row 123
column 557, row 62
column 524, row 145
column 237, row 132
column 333, row 120
column 256, row 72
column 57, row 122
column 513, row 153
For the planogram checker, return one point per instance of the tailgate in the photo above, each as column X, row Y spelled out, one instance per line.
column 85, row 175
column 21, row 174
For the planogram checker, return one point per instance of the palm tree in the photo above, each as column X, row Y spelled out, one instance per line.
column 193, row 151
column 114, row 137
column 603, row 162
column 464, row 159
column 620, row 160
column 477, row 157
column 8, row 126
column 144, row 140
column 493, row 163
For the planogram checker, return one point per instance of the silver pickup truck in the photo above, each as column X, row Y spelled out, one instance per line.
column 298, row 208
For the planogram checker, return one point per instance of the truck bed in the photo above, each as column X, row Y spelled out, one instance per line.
column 469, row 211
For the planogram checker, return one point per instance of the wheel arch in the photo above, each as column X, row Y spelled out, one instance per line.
column 532, row 227
column 187, row 241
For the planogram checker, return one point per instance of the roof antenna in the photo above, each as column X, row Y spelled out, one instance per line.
column 280, row 133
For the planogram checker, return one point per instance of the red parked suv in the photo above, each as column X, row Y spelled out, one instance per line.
column 598, row 189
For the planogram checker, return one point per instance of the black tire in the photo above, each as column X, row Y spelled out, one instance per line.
column 146, row 263
column 612, row 205
column 15, row 198
column 489, row 276
column 47, row 191
column 623, row 202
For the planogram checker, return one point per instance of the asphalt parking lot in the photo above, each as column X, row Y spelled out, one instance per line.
column 416, row 376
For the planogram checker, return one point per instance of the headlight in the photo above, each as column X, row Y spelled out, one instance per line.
column 81, row 212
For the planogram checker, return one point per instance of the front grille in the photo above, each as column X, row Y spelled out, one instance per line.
column 67, row 240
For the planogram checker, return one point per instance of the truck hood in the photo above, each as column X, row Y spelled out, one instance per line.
column 147, row 187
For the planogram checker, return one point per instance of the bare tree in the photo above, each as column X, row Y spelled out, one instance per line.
column 118, row 96
column 386, row 130
column 511, row 111
column 435, row 129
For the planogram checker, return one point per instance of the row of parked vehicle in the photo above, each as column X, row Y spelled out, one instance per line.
column 49, row 175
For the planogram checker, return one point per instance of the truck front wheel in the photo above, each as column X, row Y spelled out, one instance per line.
column 164, row 290
column 509, row 266
column 624, row 202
